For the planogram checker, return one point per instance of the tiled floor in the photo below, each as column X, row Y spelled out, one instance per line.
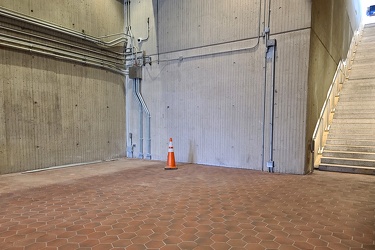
column 129, row 204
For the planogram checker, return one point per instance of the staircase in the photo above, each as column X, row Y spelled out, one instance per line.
column 350, row 145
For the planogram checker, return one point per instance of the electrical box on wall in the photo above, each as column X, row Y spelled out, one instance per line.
column 135, row 72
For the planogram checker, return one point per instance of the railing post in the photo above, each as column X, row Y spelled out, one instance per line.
column 321, row 137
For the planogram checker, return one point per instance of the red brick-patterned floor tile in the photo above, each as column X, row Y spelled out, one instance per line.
column 196, row 207
column 287, row 247
column 57, row 243
column 102, row 247
column 303, row 245
column 35, row 246
column 122, row 243
column 253, row 246
column 89, row 243
column 69, row 246
column 270, row 244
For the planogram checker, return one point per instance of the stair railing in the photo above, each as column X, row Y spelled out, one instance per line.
column 324, row 122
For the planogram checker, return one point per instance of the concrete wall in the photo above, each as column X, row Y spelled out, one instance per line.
column 207, row 92
column 205, row 88
column 96, row 18
column 55, row 112
column 333, row 25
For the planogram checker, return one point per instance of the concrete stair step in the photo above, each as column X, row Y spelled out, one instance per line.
column 349, row 155
column 354, row 121
column 355, row 92
column 352, row 131
column 366, row 43
column 351, row 115
column 349, row 134
column 347, row 100
column 351, row 142
column 364, row 69
column 363, row 91
column 358, row 82
column 358, row 111
column 358, row 137
column 366, row 96
column 368, row 27
column 364, row 51
column 361, row 63
column 347, row 169
column 352, row 108
column 348, row 161
column 358, row 99
column 368, row 36
column 346, row 126
column 350, row 103
column 361, row 74
column 350, row 148
column 361, row 59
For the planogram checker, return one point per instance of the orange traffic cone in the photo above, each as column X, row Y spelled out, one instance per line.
column 171, row 164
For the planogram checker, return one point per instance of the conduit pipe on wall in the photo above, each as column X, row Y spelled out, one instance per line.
column 143, row 107
column 128, row 47
column 133, row 62
column 65, row 57
column 264, row 109
column 44, row 24
column 270, row 53
column 136, row 93
column 108, row 60
column 271, row 45
column 148, row 124
column 140, row 40
column 49, row 48
column 209, row 54
column 114, row 55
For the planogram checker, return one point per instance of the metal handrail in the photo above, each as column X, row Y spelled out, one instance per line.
column 324, row 121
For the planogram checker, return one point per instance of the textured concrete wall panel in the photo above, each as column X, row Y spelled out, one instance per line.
column 211, row 102
column 55, row 112
column 290, row 101
column 187, row 24
column 288, row 15
column 3, row 141
column 21, row 6
column 96, row 18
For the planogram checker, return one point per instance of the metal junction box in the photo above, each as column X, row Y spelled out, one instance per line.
column 135, row 72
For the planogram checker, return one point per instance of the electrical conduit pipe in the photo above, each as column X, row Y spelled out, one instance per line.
column 143, row 107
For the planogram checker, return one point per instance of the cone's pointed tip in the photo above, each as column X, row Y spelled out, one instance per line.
column 170, row 139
